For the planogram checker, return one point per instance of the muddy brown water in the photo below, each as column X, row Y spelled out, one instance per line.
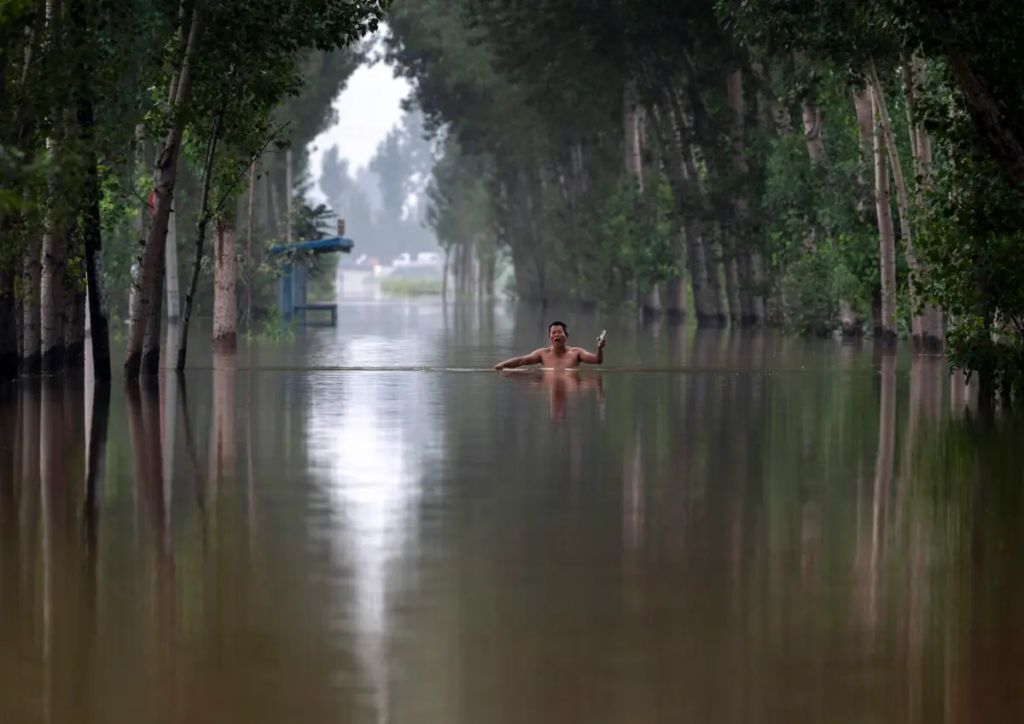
column 363, row 524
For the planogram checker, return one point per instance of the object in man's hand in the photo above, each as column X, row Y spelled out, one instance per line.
column 601, row 338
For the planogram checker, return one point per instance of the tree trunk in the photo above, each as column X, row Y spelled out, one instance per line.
column 154, row 323
column 671, row 138
column 31, row 351
column 703, row 294
column 90, row 224
column 171, row 270
column 866, row 123
column 197, row 259
column 288, row 197
column 9, row 362
column 932, row 332
column 887, row 239
column 279, row 221
column 165, row 176
column 631, row 122
column 54, row 253
column 749, row 265
column 712, row 257
column 444, row 274
column 732, row 278
column 225, row 275
column 96, row 285
column 812, row 131
column 713, row 314
column 17, row 322
column 651, row 303
column 867, row 207
column 902, row 201
column 51, row 294
column 74, row 312
column 250, row 267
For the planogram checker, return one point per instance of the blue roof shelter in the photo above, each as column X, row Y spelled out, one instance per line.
column 291, row 285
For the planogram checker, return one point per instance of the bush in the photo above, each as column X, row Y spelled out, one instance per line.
column 411, row 287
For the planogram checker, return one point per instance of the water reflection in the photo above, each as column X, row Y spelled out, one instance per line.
column 560, row 386
column 787, row 531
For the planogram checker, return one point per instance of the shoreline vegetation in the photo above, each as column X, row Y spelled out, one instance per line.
column 848, row 169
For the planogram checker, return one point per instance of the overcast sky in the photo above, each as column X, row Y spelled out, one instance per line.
column 367, row 109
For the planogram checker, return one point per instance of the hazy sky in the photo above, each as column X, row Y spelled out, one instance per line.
column 367, row 109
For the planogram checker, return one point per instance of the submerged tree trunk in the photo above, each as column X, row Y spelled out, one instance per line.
column 444, row 273
column 51, row 295
column 887, row 240
column 154, row 322
column 674, row 303
column 749, row 264
column 732, row 279
column 31, row 350
column 650, row 304
column 96, row 285
column 9, row 361
column 250, row 266
column 671, row 138
column 932, row 335
column 902, row 200
column 74, row 312
column 165, row 176
column 171, row 270
column 867, row 207
column 225, row 274
column 197, row 258
column 95, row 298
column 713, row 314
column 54, row 253
column 712, row 257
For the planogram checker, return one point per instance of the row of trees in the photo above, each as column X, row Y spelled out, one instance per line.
column 383, row 202
column 820, row 165
column 106, row 107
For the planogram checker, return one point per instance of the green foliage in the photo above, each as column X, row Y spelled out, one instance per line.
column 274, row 328
column 268, row 70
column 411, row 287
column 639, row 233
column 973, row 246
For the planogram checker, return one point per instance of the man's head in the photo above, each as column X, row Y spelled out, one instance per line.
column 557, row 333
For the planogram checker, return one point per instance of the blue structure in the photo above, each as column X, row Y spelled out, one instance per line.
column 291, row 286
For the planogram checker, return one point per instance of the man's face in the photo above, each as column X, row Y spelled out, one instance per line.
column 557, row 335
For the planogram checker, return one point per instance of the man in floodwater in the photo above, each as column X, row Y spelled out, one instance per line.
column 558, row 356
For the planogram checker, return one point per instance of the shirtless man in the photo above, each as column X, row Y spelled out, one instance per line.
column 557, row 356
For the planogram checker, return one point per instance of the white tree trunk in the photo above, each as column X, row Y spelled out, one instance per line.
column 171, row 262
column 225, row 274
column 887, row 240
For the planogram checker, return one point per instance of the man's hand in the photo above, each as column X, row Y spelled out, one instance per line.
column 600, row 343
column 530, row 359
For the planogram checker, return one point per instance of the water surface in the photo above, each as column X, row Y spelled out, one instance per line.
column 364, row 524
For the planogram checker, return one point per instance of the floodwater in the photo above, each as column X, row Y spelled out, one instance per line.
column 337, row 528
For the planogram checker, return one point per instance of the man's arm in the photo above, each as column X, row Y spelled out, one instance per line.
column 593, row 359
column 531, row 359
